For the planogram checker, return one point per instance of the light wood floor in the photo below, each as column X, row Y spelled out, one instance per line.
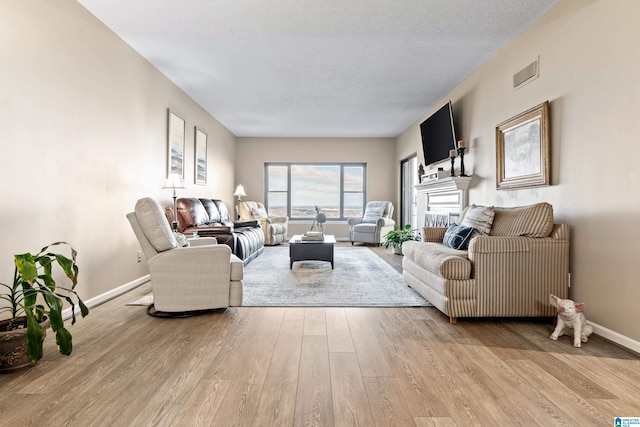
column 319, row 366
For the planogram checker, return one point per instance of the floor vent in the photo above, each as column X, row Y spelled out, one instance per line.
column 526, row 75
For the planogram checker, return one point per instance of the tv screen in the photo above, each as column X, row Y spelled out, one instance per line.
column 438, row 135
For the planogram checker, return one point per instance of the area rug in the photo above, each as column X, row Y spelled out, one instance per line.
column 145, row 300
column 360, row 278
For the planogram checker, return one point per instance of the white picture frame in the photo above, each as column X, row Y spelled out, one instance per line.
column 175, row 144
column 200, row 157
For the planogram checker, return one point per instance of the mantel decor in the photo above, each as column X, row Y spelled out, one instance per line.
column 452, row 157
column 460, row 149
column 175, row 138
column 522, row 150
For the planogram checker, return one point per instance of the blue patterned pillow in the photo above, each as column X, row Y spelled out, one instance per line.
column 457, row 236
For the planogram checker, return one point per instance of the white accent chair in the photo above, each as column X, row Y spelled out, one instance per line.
column 375, row 223
column 201, row 276
column 275, row 228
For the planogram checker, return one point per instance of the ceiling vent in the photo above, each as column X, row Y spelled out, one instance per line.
column 526, row 75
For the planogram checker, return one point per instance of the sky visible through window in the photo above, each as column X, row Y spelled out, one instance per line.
column 316, row 185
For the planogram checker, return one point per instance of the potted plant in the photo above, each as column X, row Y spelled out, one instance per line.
column 396, row 237
column 34, row 301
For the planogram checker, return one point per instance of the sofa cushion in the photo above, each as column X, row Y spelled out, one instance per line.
column 154, row 225
column 439, row 259
column 372, row 214
column 213, row 215
column 457, row 236
column 225, row 218
column 259, row 213
column 365, row 227
column 529, row 221
column 191, row 213
column 480, row 218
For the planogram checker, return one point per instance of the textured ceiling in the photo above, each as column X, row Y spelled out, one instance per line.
column 321, row 68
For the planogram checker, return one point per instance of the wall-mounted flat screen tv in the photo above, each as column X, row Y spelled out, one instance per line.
column 438, row 135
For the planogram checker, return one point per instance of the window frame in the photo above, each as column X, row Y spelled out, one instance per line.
column 341, row 165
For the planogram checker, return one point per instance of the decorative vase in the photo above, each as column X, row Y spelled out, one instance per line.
column 13, row 345
column 397, row 250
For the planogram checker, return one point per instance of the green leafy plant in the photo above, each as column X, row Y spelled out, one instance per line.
column 34, row 294
column 396, row 237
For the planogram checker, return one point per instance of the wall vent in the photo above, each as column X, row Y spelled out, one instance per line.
column 526, row 75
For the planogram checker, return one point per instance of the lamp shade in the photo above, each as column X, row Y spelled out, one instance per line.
column 240, row 191
column 174, row 181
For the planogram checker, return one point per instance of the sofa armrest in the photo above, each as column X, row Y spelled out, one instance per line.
column 211, row 261
column 515, row 275
column 277, row 219
column 201, row 276
column 202, row 241
column 246, row 223
column 354, row 221
column 499, row 244
column 433, row 234
column 385, row 222
column 209, row 230
column 560, row 232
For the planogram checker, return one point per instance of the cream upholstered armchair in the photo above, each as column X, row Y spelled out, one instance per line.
column 201, row 276
column 375, row 223
column 274, row 227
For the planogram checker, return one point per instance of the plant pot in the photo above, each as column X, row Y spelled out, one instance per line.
column 13, row 345
column 397, row 250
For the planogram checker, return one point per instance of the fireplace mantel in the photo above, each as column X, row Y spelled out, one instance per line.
column 448, row 195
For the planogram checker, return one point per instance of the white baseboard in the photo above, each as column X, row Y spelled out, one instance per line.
column 102, row 298
column 615, row 337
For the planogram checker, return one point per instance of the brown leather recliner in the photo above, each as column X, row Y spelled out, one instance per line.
column 210, row 218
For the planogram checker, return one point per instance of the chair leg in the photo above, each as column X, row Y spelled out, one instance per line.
column 351, row 243
column 453, row 320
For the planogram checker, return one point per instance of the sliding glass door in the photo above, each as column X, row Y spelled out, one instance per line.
column 408, row 178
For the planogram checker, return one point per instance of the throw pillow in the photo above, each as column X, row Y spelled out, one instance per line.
column 372, row 214
column 530, row 221
column 480, row 218
column 259, row 213
column 457, row 236
column 154, row 224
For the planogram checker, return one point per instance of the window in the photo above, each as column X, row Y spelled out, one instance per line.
column 295, row 189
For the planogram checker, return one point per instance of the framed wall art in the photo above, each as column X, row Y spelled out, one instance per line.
column 522, row 150
column 175, row 138
column 200, row 166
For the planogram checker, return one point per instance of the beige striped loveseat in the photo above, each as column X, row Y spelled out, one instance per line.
column 509, row 273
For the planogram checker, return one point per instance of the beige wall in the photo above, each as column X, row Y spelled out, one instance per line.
column 83, row 121
column 589, row 68
column 378, row 154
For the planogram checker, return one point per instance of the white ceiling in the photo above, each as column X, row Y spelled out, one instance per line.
column 317, row 68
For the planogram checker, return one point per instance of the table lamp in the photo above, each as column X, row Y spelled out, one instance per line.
column 239, row 194
column 174, row 182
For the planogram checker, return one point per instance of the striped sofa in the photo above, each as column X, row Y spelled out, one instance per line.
column 509, row 273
